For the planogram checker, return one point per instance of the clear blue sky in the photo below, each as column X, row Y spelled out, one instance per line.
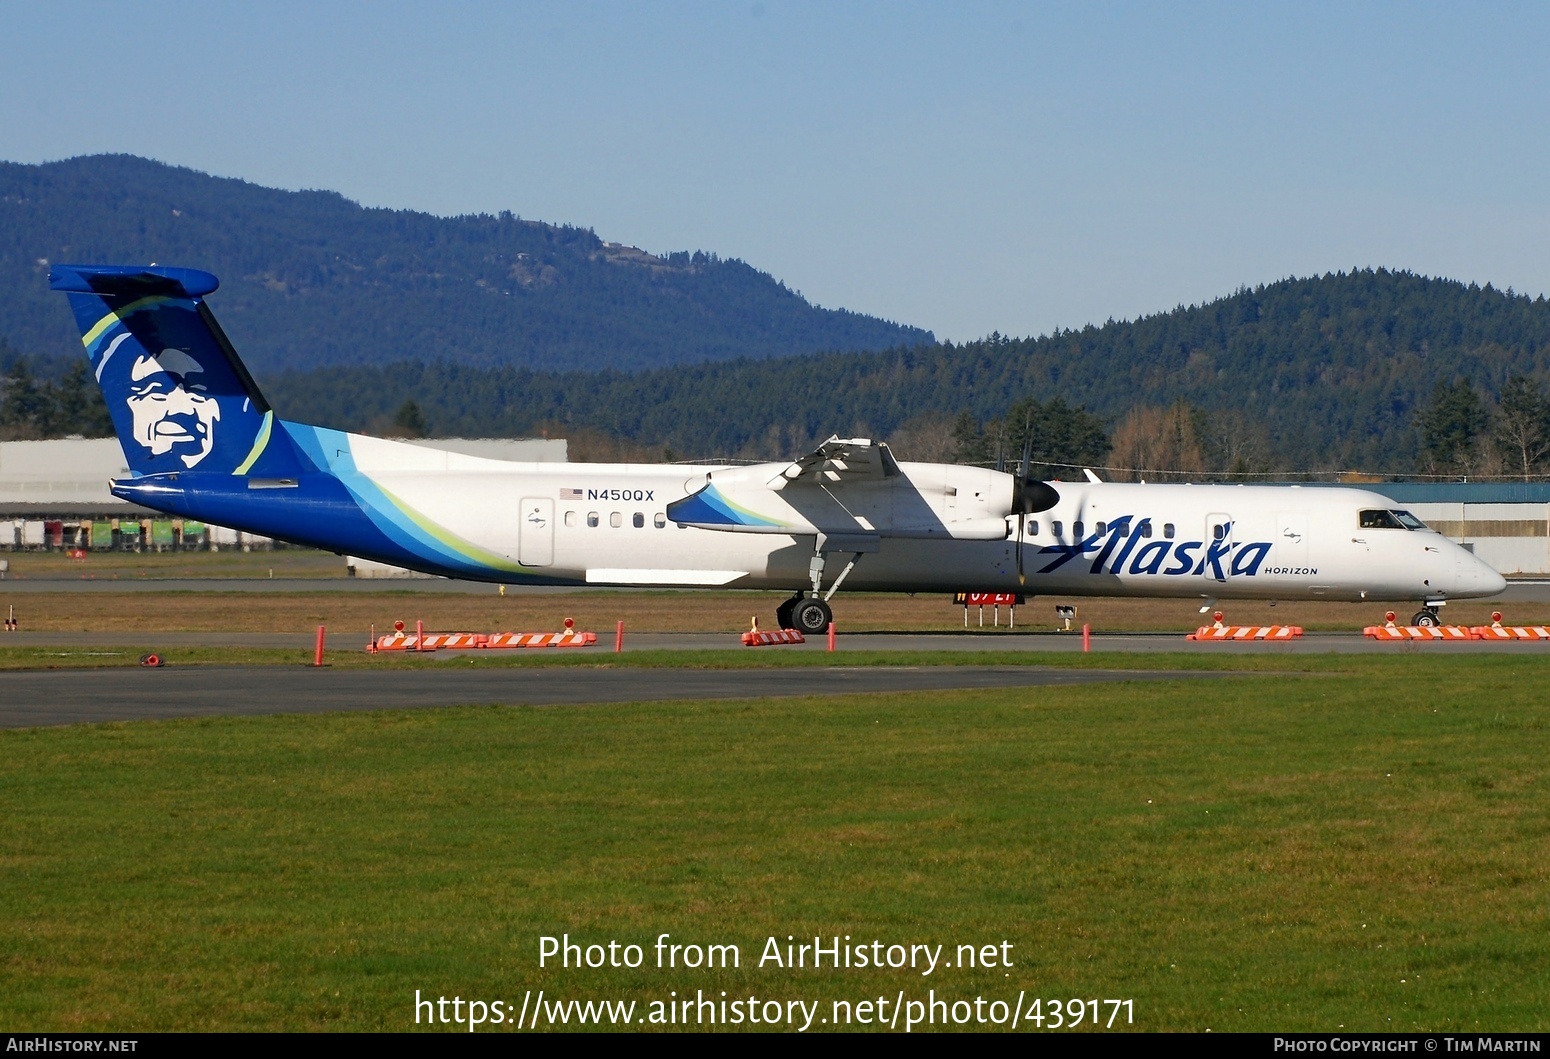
column 966, row 168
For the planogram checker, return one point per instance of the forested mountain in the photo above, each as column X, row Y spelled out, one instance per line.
column 496, row 325
column 311, row 279
column 1318, row 373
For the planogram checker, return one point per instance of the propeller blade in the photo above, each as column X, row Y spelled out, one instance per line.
column 1022, row 522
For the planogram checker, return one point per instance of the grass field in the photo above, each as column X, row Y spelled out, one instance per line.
column 1362, row 846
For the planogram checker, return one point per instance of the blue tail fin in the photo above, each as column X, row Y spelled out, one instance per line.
column 180, row 399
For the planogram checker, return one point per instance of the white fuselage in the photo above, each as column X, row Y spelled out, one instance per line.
column 608, row 524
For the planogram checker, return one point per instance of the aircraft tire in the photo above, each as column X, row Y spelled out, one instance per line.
column 1426, row 619
column 783, row 613
column 811, row 616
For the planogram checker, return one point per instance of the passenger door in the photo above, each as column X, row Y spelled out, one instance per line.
column 1219, row 542
column 1290, row 549
column 535, row 532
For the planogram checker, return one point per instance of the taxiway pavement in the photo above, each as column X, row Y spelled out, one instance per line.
column 37, row 698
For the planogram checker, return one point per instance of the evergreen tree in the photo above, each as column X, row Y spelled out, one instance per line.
column 973, row 447
column 27, row 411
column 409, row 420
column 79, row 407
column 1058, row 438
column 1451, row 428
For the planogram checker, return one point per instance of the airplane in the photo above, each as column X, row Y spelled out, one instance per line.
column 202, row 443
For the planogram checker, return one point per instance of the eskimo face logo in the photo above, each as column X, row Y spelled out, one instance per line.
column 173, row 412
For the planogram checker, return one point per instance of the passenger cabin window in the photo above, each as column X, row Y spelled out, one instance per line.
column 1076, row 530
column 1057, row 527
column 570, row 518
column 1376, row 519
column 1146, row 529
column 592, row 519
column 615, row 519
column 1408, row 520
column 1168, row 530
column 639, row 520
column 659, row 520
column 1218, row 531
column 1033, row 527
column 1103, row 527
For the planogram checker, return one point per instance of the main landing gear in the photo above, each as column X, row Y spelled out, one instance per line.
column 810, row 614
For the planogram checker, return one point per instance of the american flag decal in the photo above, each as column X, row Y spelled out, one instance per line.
column 570, row 494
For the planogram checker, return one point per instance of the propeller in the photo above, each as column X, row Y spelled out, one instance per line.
column 1022, row 516
column 1028, row 497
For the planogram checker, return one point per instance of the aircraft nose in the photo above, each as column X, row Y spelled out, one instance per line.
column 1468, row 575
column 1491, row 582
column 1475, row 577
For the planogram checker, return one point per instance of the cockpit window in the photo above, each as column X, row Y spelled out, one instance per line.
column 1379, row 520
column 1408, row 520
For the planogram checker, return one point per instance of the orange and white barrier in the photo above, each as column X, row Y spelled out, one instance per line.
column 1418, row 632
column 397, row 641
column 453, row 640
column 770, row 639
column 1246, row 632
column 755, row 637
column 1511, row 632
column 1497, row 631
column 568, row 638
column 1390, row 631
column 419, row 640
column 1218, row 631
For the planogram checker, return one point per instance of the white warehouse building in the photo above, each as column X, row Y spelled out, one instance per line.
column 54, row 494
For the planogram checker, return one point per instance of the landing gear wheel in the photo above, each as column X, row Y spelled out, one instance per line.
column 811, row 616
column 1426, row 619
column 783, row 613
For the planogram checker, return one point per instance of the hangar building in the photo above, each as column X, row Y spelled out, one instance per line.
column 54, row 495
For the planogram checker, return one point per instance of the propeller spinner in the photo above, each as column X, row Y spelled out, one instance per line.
column 1030, row 496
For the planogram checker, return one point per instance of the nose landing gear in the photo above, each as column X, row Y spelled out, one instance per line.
column 1428, row 618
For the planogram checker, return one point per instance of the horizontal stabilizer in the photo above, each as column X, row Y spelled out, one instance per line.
column 132, row 280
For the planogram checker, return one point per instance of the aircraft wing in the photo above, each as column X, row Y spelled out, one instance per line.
column 840, row 460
